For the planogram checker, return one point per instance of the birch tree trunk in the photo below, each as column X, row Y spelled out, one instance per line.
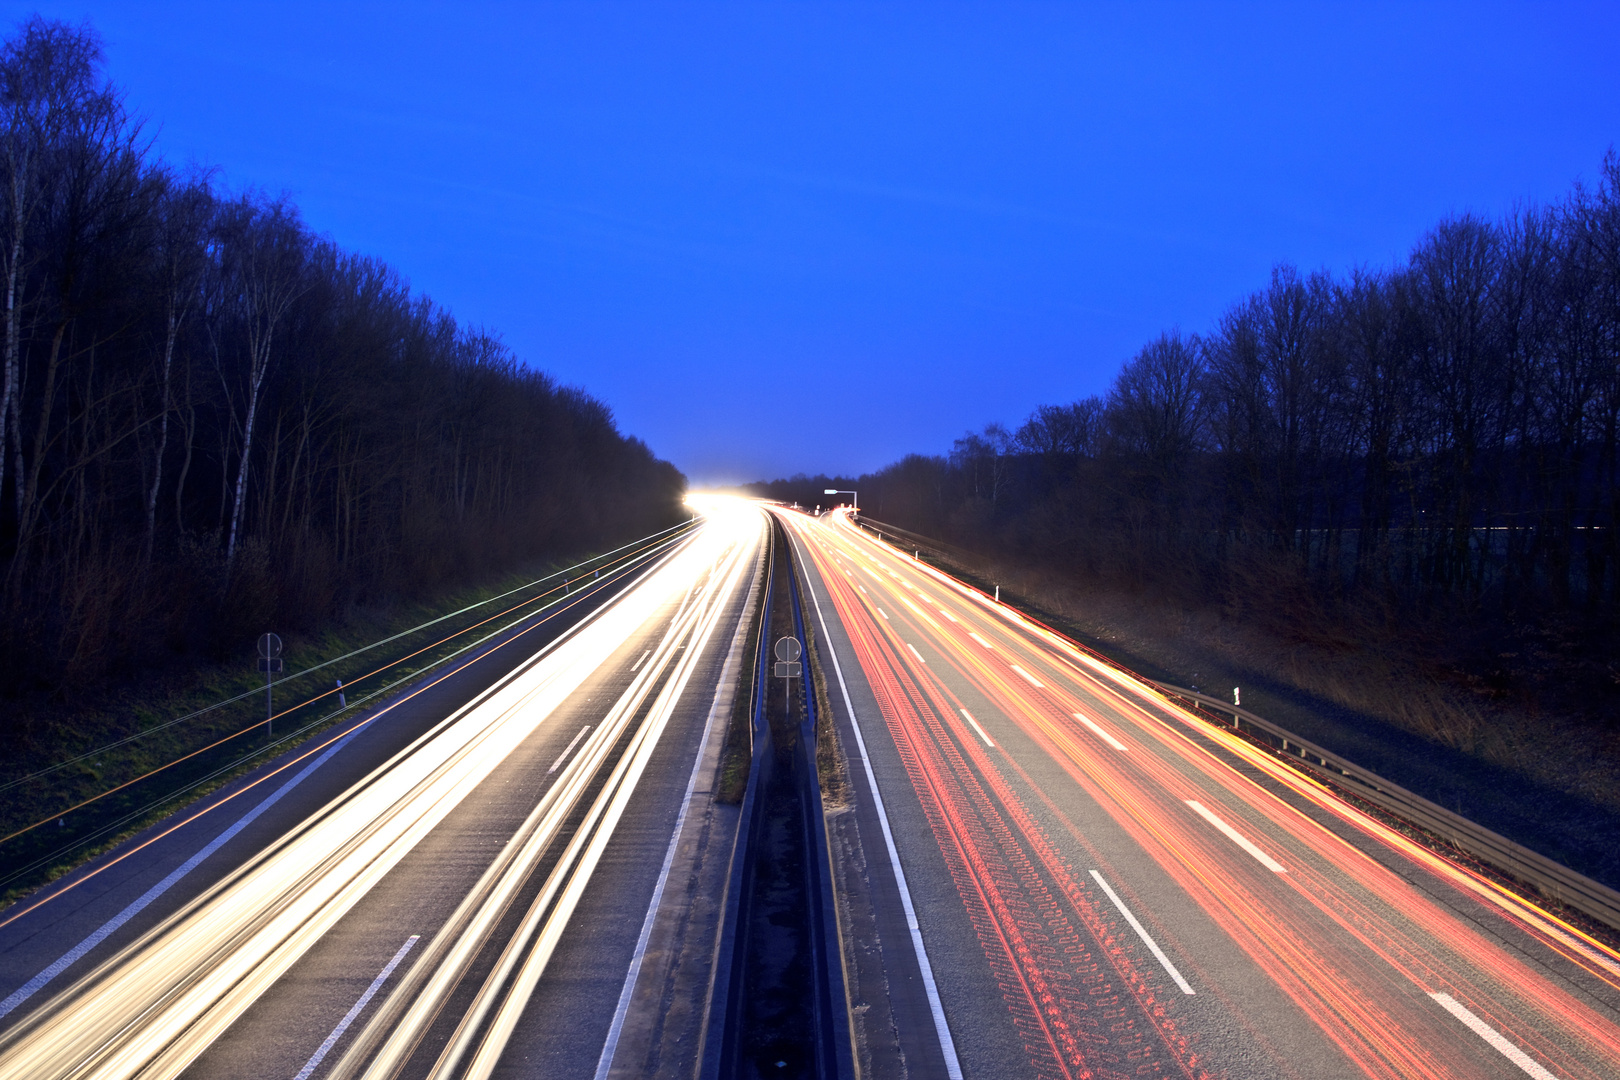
column 247, row 454
column 269, row 264
column 163, row 434
column 8, row 407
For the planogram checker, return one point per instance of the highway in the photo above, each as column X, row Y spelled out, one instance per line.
column 1042, row 867
column 397, row 899
column 1096, row 883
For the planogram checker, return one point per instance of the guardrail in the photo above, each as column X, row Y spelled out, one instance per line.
column 721, row 1055
column 834, row 1058
column 1553, row 879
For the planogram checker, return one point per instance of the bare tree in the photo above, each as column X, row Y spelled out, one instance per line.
column 182, row 261
column 1454, row 274
column 47, row 85
column 1154, row 406
column 94, row 201
column 264, row 250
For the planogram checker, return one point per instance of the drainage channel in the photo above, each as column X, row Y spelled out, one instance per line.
column 778, row 1008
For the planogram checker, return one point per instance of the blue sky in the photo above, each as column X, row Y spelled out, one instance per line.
column 778, row 237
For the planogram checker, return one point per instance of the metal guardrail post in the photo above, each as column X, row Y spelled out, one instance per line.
column 1552, row 878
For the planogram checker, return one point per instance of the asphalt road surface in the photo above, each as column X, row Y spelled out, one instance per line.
column 1104, row 885
column 1047, row 868
column 454, row 883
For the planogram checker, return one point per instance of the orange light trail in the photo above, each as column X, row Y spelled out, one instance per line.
column 1082, row 1012
column 1346, row 938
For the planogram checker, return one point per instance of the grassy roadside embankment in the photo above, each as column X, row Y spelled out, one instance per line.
column 116, row 766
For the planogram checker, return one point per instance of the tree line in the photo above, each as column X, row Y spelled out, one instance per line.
column 213, row 420
column 1441, row 433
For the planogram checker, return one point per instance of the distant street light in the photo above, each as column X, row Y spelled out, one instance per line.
column 835, row 491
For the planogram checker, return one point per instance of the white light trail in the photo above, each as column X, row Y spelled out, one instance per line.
column 160, row 1002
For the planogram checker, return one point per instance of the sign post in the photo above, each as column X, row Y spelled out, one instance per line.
column 836, row 491
column 787, row 666
column 269, row 663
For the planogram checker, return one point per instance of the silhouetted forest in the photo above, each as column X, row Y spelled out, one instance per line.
column 214, row 421
column 1433, row 441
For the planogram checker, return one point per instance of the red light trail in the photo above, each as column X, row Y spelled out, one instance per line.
column 1388, row 957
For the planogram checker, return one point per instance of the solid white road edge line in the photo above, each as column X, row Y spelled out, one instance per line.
column 1101, row 734
column 1498, row 1041
column 1143, row 934
column 969, row 718
column 947, row 1045
column 1237, row 838
column 359, row 1006
column 569, row 749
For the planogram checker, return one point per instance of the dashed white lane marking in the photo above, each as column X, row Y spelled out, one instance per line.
column 1032, row 680
column 863, row 589
column 359, row 1006
column 643, row 660
column 980, row 640
column 1147, row 938
column 562, row 757
column 1237, row 838
column 885, row 614
column 948, row 615
column 1101, row 734
column 1498, row 1041
column 969, row 718
column 915, row 653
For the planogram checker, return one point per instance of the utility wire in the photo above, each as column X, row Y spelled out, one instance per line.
column 8, row 785
column 627, row 560
column 80, row 842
